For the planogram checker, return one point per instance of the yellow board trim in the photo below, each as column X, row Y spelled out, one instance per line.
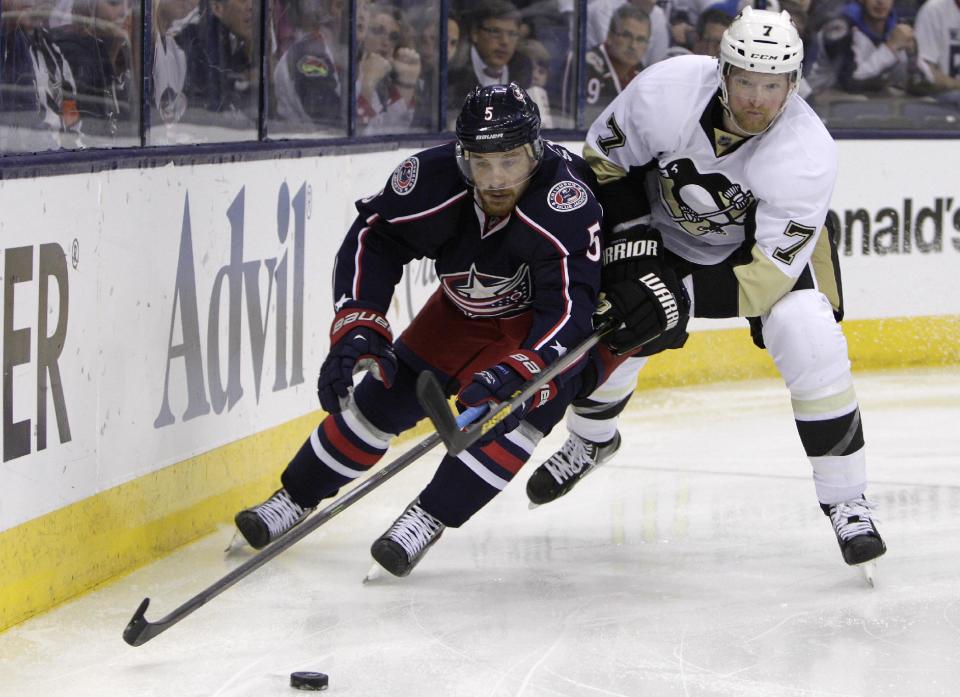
column 60, row 555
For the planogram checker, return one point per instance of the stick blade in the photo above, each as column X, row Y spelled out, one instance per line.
column 434, row 402
column 135, row 633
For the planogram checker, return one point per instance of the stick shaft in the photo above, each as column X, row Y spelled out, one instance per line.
column 139, row 630
column 455, row 438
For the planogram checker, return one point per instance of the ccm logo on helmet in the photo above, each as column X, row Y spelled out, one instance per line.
column 762, row 56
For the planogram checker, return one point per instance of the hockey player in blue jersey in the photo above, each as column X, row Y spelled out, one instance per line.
column 513, row 225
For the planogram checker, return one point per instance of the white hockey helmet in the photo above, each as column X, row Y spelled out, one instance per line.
column 762, row 41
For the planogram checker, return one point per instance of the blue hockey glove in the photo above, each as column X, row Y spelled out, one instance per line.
column 359, row 340
column 500, row 383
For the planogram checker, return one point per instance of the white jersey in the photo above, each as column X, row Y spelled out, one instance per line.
column 711, row 191
column 938, row 35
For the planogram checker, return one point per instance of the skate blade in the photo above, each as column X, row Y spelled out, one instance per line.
column 373, row 574
column 869, row 571
column 236, row 544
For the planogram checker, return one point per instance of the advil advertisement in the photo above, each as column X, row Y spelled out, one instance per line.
column 165, row 313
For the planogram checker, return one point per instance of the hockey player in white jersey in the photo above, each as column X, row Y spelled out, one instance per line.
column 715, row 181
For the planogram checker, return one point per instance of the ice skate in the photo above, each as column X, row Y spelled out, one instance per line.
column 264, row 523
column 860, row 542
column 576, row 458
column 402, row 547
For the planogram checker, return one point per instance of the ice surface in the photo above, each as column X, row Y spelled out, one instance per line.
column 696, row 563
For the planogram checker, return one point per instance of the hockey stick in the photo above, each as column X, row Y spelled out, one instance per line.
column 455, row 437
column 139, row 630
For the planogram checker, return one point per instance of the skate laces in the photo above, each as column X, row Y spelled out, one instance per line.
column 280, row 512
column 570, row 460
column 414, row 530
column 852, row 518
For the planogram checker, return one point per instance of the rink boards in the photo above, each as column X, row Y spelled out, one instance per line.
column 163, row 328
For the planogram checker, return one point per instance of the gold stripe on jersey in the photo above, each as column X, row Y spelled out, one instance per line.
column 762, row 284
column 824, row 271
column 605, row 170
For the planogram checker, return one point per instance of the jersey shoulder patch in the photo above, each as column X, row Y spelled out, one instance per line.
column 567, row 195
column 404, row 177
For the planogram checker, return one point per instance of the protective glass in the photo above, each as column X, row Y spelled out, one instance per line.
column 497, row 171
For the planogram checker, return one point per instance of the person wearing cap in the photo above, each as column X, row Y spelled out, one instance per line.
column 715, row 180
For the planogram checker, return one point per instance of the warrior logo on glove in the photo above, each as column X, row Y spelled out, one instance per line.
column 639, row 291
column 668, row 300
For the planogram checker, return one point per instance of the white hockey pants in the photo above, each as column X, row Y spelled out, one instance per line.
column 809, row 349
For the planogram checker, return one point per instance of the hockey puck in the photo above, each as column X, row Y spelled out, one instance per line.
column 309, row 681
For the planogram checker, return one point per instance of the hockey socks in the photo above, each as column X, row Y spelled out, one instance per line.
column 339, row 450
column 464, row 484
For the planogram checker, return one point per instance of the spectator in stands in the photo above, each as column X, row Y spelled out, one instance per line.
column 614, row 63
column 539, row 58
column 938, row 41
column 710, row 27
column 222, row 64
column 38, row 94
column 169, row 68
column 307, row 81
column 97, row 46
column 389, row 72
column 599, row 13
column 389, row 68
column 494, row 33
column 426, row 22
column 863, row 50
column 683, row 36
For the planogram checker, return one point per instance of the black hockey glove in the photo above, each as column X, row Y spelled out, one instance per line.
column 638, row 290
column 500, row 383
column 359, row 339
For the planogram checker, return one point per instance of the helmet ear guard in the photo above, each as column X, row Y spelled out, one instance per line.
column 761, row 41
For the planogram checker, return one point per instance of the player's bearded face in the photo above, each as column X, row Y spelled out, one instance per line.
column 755, row 99
column 500, row 178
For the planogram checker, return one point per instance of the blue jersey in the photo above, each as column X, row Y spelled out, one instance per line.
column 543, row 258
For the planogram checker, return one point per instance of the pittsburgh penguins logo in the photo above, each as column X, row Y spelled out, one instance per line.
column 702, row 203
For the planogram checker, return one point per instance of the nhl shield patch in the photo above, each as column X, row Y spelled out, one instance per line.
column 405, row 176
column 566, row 196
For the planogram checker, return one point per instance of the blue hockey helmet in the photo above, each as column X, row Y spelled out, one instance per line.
column 496, row 119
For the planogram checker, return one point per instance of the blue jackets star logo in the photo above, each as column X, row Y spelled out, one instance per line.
column 484, row 295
